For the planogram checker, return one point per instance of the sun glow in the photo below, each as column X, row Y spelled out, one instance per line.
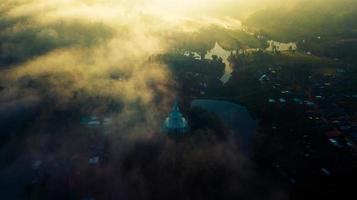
column 184, row 8
column 111, row 10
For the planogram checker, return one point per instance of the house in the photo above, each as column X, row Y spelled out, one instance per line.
column 264, row 78
column 333, row 133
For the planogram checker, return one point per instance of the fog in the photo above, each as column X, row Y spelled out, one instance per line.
column 62, row 60
column 80, row 45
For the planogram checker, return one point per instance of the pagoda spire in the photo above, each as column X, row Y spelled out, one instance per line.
column 176, row 107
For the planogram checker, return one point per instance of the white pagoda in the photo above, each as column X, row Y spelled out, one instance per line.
column 175, row 123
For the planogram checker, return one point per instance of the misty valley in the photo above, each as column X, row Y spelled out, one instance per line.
column 189, row 100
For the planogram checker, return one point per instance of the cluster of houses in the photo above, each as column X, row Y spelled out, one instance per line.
column 328, row 109
column 321, row 103
column 335, row 110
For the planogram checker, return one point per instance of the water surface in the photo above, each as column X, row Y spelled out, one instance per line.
column 234, row 116
column 224, row 54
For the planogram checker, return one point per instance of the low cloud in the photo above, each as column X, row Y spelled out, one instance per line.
column 60, row 59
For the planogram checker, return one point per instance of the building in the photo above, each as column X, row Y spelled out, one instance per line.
column 175, row 123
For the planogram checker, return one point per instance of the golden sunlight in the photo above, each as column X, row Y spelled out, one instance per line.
column 178, row 99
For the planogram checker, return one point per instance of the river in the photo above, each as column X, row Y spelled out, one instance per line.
column 224, row 54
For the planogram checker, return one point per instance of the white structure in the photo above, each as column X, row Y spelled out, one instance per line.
column 264, row 78
column 175, row 123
